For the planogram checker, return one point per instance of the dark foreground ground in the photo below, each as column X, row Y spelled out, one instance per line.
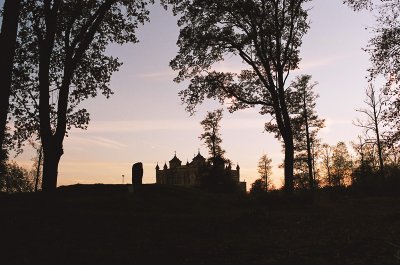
column 104, row 224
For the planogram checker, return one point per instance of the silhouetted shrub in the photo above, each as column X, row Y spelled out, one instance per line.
column 257, row 187
column 16, row 179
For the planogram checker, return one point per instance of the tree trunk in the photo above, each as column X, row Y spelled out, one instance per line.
column 379, row 144
column 8, row 39
column 266, row 175
column 310, row 165
column 309, row 158
column 287, row 135
column 51, row 157
column 313, row 163
column 52, row 149
column 289, row 161
column 8, row 182
column 38, row 168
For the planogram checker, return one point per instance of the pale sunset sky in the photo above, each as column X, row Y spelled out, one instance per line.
column 144, row 120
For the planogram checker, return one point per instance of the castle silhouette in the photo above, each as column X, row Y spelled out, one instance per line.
column 191, row 174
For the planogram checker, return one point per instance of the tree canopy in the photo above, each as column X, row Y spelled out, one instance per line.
column 211, row 135
column 265, row 170
column 384, row 51
column 61, row 61
column 266, row 35
column 306, row 124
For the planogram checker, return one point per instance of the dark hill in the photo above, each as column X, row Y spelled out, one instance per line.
column 105, row 224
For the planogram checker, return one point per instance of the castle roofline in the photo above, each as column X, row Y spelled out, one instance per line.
column 175, row 159
column 198, row 156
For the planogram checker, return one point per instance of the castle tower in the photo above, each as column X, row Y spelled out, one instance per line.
column 175, row 162
column 199, row 160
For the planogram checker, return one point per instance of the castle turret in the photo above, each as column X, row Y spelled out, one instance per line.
column 237, row 167
column 165, row 166
column 175, row 162
column 199, row 160
column 157, row 167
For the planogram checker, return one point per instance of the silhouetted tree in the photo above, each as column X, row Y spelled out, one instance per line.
column 373, row 123
column 265, row 170
column 62, row 61
column 3, row 168
column 361, row 170
column 366, row 177
column 211, row 136
column 36, row 171
column 306, row 123
column 327, row 163
column 316, row 150
column 341, row 168
column 8, row 38
column 392, row 185
column 384, row 51
column 266, row 35
column 392, row 152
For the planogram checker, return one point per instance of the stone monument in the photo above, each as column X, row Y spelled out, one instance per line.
column 137, row 175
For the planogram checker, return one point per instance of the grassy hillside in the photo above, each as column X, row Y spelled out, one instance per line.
column 104, row 224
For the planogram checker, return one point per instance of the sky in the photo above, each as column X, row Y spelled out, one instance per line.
column 144, row 121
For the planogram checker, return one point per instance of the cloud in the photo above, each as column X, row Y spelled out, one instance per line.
column 161, row 75
column 97, row 141
column 190, row 124
column 243, row 124
column 227, row 66
column 307, row 65
column 139, row 126
column 332, row 122
column 329, row 123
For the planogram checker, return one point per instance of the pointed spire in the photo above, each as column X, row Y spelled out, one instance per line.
column 157, row 167
column 237, row 167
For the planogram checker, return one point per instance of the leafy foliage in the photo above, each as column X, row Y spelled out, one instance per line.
column 384, row 51
column 16, row 179
column 77, row 58
column 360, row 4
column 3, row 167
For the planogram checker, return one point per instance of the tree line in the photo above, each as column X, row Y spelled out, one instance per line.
column 54, row 58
